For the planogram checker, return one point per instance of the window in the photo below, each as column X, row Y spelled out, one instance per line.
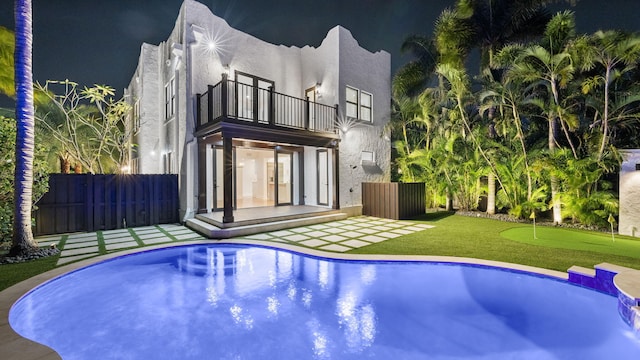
column 365, row 106
column 169, row 99
column 359, row 104
column 352, row 102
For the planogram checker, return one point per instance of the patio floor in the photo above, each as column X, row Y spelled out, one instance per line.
column 335, row 236
column 259, row 215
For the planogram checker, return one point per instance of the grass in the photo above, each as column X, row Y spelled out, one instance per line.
column 11, row 274
column 555, row 248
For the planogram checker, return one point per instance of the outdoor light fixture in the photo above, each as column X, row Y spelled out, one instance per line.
column 226, row 69
column 345, row 124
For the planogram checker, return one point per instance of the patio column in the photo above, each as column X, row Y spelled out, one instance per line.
column 227, row 175
column 336, row 178
column 202, row 177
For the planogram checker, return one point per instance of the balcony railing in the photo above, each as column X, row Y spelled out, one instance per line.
column 233, row 100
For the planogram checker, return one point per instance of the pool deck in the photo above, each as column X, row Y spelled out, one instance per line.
column 13, row 346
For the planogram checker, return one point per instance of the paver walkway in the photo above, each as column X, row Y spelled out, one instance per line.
column 336, row 236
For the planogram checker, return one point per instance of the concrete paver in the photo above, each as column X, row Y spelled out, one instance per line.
column 337, row 236
column 123, row 245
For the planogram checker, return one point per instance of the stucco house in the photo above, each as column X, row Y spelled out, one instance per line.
column 256, row 130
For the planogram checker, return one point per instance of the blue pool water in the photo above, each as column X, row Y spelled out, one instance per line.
column 240, row 302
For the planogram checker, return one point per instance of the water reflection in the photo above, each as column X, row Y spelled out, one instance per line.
column 289, row 286
column 234, row 302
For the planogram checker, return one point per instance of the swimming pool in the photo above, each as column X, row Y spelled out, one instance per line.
column 242, row 302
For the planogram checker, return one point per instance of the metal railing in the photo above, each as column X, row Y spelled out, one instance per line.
column 233, row 100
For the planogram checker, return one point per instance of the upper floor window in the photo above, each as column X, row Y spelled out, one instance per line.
column 352, row 102
column 169, row 99
column 359, row 104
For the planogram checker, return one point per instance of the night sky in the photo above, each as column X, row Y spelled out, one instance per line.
column 91, row 41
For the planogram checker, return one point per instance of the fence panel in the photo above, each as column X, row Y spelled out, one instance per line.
column 85, row 202
column 393, row 200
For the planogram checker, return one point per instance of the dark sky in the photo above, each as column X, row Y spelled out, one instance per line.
column 98, row 41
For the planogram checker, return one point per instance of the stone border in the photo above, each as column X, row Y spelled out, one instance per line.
column 15, row 347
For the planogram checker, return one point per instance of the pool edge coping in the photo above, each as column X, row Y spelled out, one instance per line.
column 20, row 348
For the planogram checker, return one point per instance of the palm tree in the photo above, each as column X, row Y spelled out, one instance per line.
column 549, row 70
column 23, row 241
column 615, row 53
column 7, row 47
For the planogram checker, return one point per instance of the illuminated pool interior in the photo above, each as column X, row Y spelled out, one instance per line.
column 247, row 302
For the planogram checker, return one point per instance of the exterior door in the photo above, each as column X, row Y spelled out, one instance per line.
column 322, row 158
column 310, row 95
column 252, row 97
column 218, row 179
column 284, row 177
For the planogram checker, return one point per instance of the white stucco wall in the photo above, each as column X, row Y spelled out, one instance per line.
column 629, row 212
column 144, row 87
column 370, row 72
column 337, row 62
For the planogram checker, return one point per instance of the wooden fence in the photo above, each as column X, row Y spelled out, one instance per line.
column 85, row 202
column 393, row 200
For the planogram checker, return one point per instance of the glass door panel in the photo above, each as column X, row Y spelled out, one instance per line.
column 263, row 101
column 245, row 95
column 218, row 181
column 310, row 94
column 323, row 177
column 284, row 178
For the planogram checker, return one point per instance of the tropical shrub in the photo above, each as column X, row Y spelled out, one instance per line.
column 7, row 164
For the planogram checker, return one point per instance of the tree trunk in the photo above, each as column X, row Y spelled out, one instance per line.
column 491, row 193
column 65, row 165
column 23, row 241
column 77, row 168
column 555, row 188
column 449, row 203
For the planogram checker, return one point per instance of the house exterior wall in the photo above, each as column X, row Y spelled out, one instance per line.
column 144, row 89
column 629, row 211
column 187, row 57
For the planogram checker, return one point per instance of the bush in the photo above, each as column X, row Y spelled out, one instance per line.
column 7, row 164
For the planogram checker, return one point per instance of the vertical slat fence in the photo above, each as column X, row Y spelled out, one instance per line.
column 85, row 202
column 393, row 200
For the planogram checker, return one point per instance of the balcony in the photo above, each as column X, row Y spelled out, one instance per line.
column 233, row 101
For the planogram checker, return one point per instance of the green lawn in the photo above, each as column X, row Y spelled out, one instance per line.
column 555, row 248
column 454, row 235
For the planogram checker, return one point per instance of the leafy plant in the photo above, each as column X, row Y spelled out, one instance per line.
column 7, row 164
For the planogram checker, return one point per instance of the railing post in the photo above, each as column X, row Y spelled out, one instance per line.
column 306, row 113
column 336, row 120
column 224, row 94
column 272, row 109
column 256, row 94
column 198, row 110
column 210, row 104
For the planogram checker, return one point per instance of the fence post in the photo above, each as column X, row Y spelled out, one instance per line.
column 89, row 207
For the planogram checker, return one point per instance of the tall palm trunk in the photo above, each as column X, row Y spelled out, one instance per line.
column 555, row 187
column 491, row 193
column 23, row 240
